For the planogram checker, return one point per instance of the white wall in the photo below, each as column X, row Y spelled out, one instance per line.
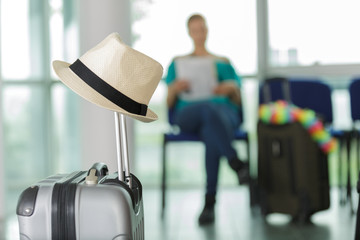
column 2, row 164
column 98, row 19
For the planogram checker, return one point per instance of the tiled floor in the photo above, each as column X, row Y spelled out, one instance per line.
column 234, row 219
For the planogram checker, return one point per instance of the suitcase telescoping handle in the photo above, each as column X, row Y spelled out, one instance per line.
column 284, row 85
column 122, row 149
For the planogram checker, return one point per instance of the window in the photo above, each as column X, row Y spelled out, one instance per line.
column 305, row 32
column 317, row 39
column 39, row 115
column 161, row 32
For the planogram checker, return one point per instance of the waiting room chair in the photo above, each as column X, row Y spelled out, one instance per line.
column 354, row 92
column 308, row 93
column 318, row 98
column 305, row 93
column 173, row 137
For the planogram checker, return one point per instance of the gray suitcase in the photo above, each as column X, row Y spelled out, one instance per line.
column 85, row 204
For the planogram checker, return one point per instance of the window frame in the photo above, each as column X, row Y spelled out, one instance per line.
column 265, row 69
column 46, row 82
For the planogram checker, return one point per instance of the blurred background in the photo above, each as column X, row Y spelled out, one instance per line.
column 46, row 129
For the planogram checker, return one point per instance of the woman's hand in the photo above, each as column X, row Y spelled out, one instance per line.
column 178, row 86
column 229, row 89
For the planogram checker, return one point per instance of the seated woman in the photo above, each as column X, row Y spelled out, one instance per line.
column 214, row 119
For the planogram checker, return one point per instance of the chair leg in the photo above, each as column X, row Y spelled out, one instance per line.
column 357, row 146
column 253, row 189
column 357, row 226
column 248, row 156
column 163, row 180
column 348, row 184
column 340, row 171
column 248, row 150
column 354, row 144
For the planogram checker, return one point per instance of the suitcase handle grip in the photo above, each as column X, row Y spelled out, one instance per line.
column 285, row 88
column 100, row 168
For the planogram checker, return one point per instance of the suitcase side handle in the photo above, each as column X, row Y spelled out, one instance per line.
column 101, row 169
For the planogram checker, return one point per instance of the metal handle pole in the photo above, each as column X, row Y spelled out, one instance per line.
column 118, row 147
column 124, row 148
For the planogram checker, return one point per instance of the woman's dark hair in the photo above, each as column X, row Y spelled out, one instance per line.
column 194, row 17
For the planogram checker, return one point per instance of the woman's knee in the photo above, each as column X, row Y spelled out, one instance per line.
column 210, row 112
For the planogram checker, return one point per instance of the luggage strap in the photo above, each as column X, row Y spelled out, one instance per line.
column 63, row 206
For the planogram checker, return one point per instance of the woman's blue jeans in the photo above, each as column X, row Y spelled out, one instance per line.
column 215, row 124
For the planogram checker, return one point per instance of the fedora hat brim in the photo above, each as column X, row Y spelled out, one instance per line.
column 71, row 80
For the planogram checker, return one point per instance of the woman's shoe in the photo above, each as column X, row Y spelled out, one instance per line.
column 242, row 170
column 207, row 215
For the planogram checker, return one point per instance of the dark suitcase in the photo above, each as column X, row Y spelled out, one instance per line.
column 85, row 204
column 292, row 170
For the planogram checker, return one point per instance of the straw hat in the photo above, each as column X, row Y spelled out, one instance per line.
column 114, row 76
